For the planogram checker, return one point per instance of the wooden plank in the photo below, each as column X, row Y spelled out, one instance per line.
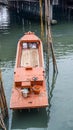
column 30, row 57
column 34, row 57
column 25, row 58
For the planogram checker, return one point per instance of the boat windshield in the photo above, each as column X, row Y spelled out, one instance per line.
column 25, row 46
column 29, row 45
column 32, row 45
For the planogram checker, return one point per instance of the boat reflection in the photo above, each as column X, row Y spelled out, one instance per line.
column 32, row 119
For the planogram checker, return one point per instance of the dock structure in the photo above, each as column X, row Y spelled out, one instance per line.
column 31, row 7
column 3, row 2
column 27, row 8
column 3, row 104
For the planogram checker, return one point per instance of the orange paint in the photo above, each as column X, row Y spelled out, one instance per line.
column 29, row 89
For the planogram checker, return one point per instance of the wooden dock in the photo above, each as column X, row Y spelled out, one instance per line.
column 3, row 104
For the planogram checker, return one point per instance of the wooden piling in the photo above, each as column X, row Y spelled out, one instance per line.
column 2, row 124
column 48, row 32
column 41, row 18
column 46, row 17
column 3, row 104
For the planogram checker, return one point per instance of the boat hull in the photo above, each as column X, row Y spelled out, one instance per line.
column 29, row 89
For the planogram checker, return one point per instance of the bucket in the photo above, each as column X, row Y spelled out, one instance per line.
column 25, row 92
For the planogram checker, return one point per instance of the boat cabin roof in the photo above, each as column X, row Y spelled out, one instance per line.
column 30, row 37
column 29, row 45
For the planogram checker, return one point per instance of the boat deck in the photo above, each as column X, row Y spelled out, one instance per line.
column 32, row 101
column 29, row 57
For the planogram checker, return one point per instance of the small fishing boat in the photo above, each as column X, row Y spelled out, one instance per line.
column 29, row 88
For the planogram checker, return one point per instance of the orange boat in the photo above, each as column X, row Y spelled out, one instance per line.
column 29, row 89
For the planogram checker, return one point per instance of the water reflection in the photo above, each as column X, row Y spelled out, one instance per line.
column 4, row 18
column 51, row 88
column 63, row 39
column 8, row 64
column 32, row 119
column 51, row 78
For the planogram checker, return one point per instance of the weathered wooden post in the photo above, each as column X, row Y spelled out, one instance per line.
column 3, row 104
column 41, row 18
column 48, row 33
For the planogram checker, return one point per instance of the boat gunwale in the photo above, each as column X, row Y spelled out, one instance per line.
column 20, row 42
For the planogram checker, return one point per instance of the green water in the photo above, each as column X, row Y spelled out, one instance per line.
column 59, row 115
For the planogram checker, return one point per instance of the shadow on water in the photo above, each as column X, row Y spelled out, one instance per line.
column 26, row 119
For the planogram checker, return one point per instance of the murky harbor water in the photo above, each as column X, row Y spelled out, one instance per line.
column 59, row 115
